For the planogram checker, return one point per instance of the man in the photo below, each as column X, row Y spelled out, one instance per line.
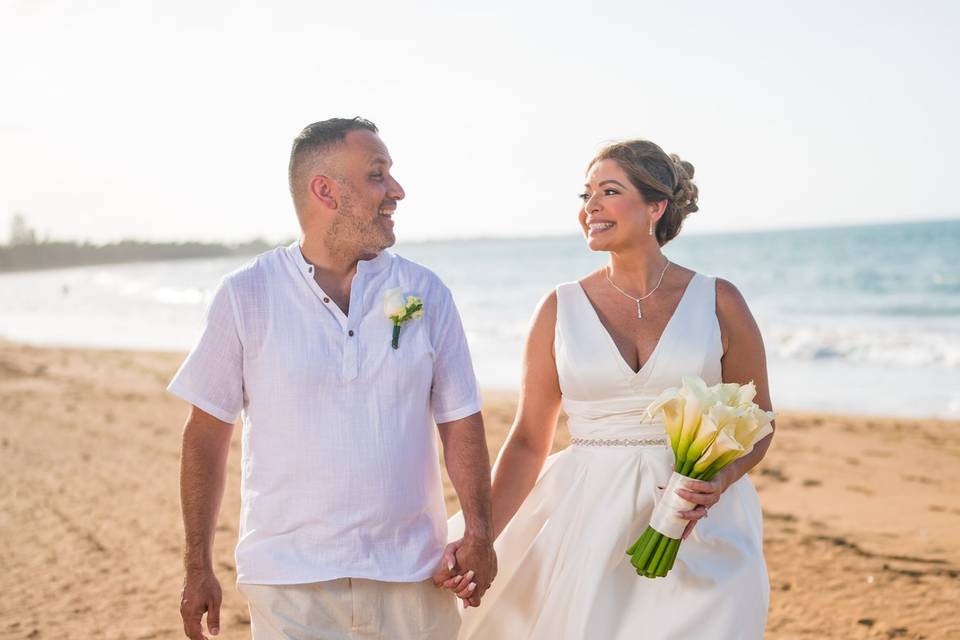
column 342, row 521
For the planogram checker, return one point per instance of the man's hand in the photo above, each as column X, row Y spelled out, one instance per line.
column 478, row 557
column 453, row 577
column 203, row 469
column 201, row 594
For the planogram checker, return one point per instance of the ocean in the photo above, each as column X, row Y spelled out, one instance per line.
column 858, row 320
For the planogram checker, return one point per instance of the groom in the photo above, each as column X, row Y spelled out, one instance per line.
column 342, row 520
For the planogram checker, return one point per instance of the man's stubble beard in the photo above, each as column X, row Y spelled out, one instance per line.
column 350, row 235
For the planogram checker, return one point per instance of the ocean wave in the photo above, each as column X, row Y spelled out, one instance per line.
column 887, row 346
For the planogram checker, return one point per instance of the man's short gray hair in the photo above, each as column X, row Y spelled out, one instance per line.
column 320, row 136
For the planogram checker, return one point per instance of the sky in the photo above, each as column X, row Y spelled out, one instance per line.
column 173, row 120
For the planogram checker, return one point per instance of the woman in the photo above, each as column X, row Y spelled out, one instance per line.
column 602, row 349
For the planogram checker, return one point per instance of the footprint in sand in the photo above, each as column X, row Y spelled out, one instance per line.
column 773, row 472
column 859, row 489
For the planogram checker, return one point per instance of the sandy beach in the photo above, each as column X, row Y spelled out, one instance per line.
column 861, row 513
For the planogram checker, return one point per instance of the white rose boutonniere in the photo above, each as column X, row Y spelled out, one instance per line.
column 400, row 309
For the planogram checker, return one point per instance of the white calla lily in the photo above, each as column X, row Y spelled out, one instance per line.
column 724, row 393
column 673, row 420
column 696, row 400
column 724, row 449
column 746, row 394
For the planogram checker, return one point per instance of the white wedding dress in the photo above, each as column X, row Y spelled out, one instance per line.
column 563, row 569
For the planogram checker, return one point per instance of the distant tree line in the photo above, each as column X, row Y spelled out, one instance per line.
column 25, row 252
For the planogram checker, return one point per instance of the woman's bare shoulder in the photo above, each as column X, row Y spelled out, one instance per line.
column 731, row 304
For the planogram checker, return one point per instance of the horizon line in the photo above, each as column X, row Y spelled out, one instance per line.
column 496, row 237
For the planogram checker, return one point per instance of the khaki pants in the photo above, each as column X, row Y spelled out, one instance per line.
column 352, row 609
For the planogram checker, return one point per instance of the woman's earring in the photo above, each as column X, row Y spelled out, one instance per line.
column 651, row 227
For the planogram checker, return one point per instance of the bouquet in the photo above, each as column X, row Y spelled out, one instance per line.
column 708, row 428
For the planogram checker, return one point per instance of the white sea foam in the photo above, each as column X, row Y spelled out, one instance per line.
column 909, row 346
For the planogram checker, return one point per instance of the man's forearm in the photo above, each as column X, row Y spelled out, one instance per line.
column 468, row 465
column 202, row 480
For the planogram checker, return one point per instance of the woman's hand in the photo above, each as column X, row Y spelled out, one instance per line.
column 452, row 576
column 704, row 495
column 447, row 570
column 463, row 586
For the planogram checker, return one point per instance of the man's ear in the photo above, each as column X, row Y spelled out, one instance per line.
column 325, row 189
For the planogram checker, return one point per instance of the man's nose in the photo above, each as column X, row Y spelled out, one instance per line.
column 396, row 191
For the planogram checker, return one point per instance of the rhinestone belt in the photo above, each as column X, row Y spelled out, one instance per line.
column 619, row 442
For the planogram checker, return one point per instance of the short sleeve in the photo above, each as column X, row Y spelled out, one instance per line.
column 211, row 378
column 454, row 394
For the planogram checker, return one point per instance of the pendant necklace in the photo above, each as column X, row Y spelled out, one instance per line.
column 637, row 300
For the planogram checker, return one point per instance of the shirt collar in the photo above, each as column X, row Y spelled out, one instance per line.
column 374, row 265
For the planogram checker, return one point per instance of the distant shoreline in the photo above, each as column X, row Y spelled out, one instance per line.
column 59, row 255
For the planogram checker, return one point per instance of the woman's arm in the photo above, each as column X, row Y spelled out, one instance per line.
column 744, row 359
column 531, row 436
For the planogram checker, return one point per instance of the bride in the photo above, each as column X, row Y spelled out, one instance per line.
column 602, row 349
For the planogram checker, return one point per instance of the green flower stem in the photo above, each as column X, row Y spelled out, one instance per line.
column 711, row 471
column 678, row 461
column 672, row 552
column 645, row 550
column 396, row 335
column 640, row 559
column 651, row 566
column 639, row 541
column 664, row 565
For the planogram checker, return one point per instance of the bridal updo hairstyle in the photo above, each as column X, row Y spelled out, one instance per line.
column 657, row 176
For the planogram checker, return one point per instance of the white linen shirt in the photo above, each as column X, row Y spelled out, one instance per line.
column 340, row 470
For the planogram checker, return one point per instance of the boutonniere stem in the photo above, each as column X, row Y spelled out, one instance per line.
column 401, row 309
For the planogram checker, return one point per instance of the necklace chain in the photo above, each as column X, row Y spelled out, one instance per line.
column 638, row 300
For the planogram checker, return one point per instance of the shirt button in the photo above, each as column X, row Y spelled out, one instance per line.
column 326, row 299
column 350, row 333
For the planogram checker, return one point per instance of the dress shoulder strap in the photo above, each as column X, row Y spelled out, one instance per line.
column 569, row 311
column 699, row 327
column 698, row 307
column 567, row 302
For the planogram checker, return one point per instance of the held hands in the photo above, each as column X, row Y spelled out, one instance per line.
column 468, row 568
column 704, row 495
column 201, row 594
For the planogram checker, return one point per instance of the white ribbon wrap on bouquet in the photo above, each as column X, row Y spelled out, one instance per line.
column 665, row 519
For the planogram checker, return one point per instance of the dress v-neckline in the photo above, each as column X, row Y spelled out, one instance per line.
column 613, row 343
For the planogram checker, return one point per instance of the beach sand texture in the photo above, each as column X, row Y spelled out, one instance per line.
column 861, row 513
